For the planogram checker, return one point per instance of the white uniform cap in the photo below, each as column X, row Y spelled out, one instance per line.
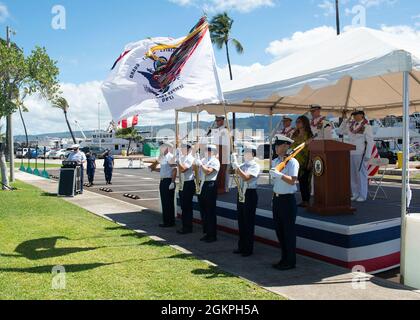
column 280, row 139
column 75, row 146
column 168, row 144
column 212, row 147
column 250, row 146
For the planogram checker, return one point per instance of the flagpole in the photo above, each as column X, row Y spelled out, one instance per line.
column 405, row 170
column 99, row 125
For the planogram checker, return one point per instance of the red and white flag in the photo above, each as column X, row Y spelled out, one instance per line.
column 372, row 169
column 128, row 123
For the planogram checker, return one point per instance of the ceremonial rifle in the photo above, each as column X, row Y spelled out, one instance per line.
column 292, row 155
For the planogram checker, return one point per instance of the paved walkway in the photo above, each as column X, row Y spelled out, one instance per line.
column 312, row 279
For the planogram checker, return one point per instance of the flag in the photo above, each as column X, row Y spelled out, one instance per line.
column 159, row 74
column 128, row 123
column 372, row 169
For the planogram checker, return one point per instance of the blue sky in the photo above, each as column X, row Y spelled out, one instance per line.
column 97, row 30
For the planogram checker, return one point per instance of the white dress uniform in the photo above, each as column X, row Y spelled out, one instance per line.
column 186, row 192
column 208, row 197
column 288, row 132
column 321, row 128
column 361, row 135
column 80, row 158
column 285, row 211
column 247, row 210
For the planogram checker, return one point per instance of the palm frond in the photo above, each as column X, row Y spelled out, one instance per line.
column 61, row 103
column 238, row 46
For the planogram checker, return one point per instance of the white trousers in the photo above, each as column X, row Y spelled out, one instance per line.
column 359, row 177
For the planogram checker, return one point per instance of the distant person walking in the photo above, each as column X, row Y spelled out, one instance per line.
column 90, row 167
column 108, row 166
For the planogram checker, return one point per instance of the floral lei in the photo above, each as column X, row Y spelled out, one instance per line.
column 318, row 123
column 358, row 129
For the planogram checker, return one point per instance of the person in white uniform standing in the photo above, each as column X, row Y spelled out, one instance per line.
column 168, row 173
column 209, row 168
column 361, row 135
column 288, row 129
column 284, row 203
column 185, row 161
column 78, row 156
column 320, row 126
column 247, row 202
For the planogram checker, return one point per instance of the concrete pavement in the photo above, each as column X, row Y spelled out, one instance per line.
column 312, row 279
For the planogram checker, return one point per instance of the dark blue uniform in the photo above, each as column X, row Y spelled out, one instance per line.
column 108, row 168
column 90, row 168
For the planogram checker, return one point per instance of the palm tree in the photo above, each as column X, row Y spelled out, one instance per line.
column 220, row 30
column 61, row 103
column 130, row 134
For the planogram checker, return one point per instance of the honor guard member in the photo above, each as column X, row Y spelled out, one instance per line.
column 78, row 156
column 108, row 166
column 185, row 161
column 209, row 169
column 248, row 172
column 168, row 173
column 361, row 135
column 284, row 203
column 288, row 130
column 90, row 167
column 321, row 127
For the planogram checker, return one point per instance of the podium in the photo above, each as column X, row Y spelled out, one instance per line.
column 331, row 168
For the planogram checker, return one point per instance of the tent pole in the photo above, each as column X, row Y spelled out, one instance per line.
column 406, row 167
column 271, row 144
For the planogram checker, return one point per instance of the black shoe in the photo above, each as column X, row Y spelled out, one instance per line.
column 182, row 231
column 237, row 251
column 284, row 267
column 276, row 265
column 248, row 254
column 211, row 239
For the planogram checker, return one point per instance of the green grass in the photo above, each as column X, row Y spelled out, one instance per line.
column 102, row 260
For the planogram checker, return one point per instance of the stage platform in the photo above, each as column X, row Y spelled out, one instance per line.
column 369, row 238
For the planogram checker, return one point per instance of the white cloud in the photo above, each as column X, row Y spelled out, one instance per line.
column 328, row 7
column 222, row 5
column 376, row 3
column 4, row 13
column 83, row 100
column 403, row 31
column 299, row 40
column 237, row 71
column 305, row 39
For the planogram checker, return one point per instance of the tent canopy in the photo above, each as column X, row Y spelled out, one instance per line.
column 360, row 69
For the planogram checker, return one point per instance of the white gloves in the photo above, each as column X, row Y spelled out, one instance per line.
column 234, row 161
column 172, row 186
column 275, row 174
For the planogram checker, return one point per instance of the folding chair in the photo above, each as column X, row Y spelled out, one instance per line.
column 378, row 178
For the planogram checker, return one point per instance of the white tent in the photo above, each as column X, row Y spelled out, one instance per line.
column 360, row 69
